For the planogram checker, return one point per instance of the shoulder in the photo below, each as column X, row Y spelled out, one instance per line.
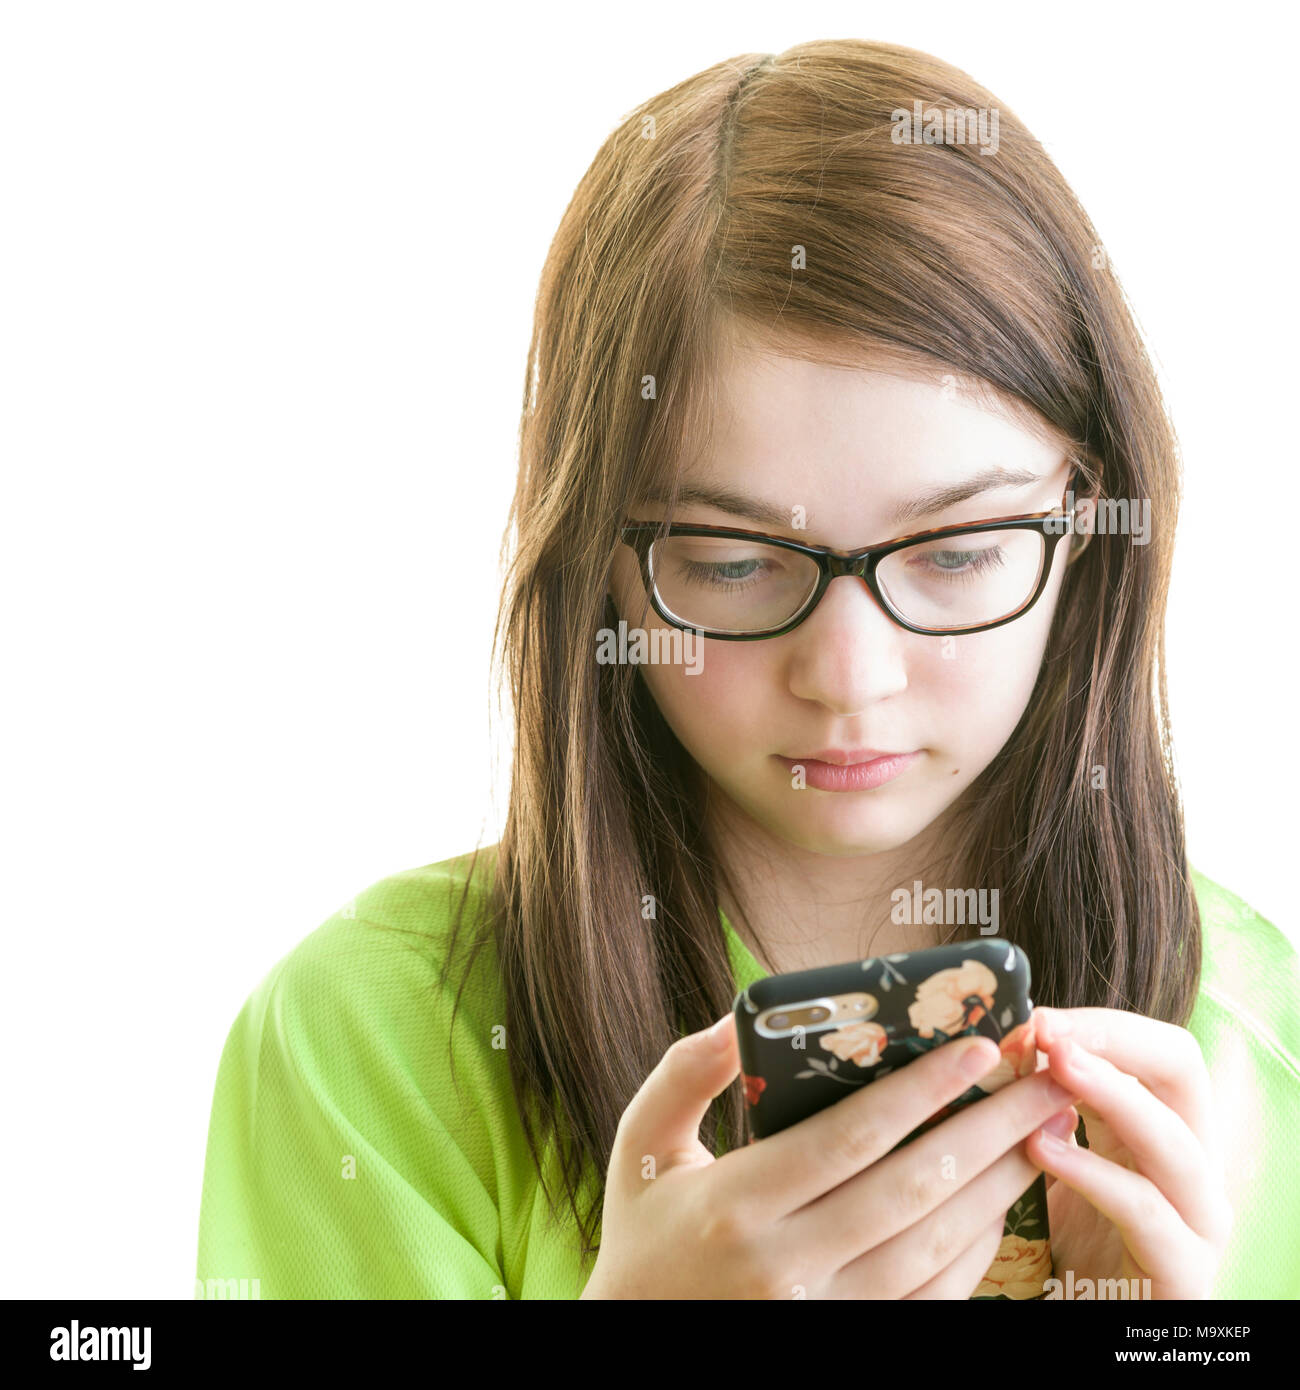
column 357, row 1140
column 1250, row 972
column 386, row 948
column 362, row 1016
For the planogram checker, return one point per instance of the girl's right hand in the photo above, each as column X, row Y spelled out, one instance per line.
column 822, row 1209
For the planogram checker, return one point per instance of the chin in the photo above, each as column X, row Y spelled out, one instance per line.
column 847, row 833
column 851, row 844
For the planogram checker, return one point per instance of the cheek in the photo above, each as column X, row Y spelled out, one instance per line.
column 981, row 684
column 716, row 709
column 979, row 692
column 714, row 712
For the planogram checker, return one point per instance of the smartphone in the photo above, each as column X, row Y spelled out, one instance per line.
column 810, row 1038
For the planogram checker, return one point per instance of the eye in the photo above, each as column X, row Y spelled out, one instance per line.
column 718, row 573
column 733, row 575
column 960, row 563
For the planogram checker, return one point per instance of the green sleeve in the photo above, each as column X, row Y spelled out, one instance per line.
column 335, row 1163
column 1247, row 1021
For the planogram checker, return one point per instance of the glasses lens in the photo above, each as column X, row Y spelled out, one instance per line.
column 963, row 581
column 725, row 584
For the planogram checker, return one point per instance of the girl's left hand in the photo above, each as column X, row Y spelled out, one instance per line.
column 1147, row 1198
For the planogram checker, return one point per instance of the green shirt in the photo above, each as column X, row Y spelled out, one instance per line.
column 343, row 1163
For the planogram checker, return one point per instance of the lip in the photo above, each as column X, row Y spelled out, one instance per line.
column 841, row 757
column 831, row 774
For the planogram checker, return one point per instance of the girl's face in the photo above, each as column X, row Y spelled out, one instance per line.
column 852, row 448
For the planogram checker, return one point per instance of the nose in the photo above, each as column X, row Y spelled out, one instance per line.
column 849, row 652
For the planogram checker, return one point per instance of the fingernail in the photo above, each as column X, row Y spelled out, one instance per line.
column 1051, row 1025
column 1063, row 1124
column 717, row 1035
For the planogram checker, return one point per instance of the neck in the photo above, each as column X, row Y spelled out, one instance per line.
column 796, row 909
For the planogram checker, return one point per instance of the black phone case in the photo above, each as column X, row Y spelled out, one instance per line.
column 913, row 1001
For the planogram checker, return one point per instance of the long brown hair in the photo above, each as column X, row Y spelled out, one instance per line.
column 683, row 227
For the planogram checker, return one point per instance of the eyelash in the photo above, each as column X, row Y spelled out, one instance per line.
column 981, row 561
column 989, row 558
column 708, row 574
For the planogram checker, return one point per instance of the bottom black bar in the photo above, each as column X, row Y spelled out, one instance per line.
column 172, row 1339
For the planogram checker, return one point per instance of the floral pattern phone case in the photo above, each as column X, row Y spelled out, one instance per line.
column 899, row 1006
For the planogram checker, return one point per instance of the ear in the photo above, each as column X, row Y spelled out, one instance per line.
column 1085, row 515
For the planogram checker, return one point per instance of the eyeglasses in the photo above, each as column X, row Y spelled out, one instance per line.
column 741, row 586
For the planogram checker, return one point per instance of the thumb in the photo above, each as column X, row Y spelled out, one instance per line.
column 663, row 1119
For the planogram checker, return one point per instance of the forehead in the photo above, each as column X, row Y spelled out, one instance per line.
column 765, row 395
column 859, row 439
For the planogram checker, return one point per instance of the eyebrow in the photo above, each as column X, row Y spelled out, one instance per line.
column 926, row 503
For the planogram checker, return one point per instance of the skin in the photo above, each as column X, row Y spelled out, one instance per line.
column 1147, row 1199
column 849, row 446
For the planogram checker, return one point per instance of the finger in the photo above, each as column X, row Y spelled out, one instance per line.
column 1065, row 1126
column 1153, row 1232
column 1166, row 1059
column 802, row 1163
column 907, row 1185
column 663, row 1119
column 918, row 1254
column 1163, row 1147
column 963, row 1275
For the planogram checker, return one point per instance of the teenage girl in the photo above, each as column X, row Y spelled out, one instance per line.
column 830, row 306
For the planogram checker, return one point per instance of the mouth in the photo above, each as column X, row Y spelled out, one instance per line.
column 840, row 757
column 842, row 775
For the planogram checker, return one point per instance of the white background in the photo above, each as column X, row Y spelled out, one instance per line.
column 266, row 278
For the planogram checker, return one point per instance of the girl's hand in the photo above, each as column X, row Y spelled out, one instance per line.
column 827, row 1208
column 1147, row 1198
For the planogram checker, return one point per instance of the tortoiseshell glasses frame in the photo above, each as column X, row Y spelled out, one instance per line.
column 861, row 564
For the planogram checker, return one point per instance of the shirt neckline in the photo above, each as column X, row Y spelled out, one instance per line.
column 744, row 968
